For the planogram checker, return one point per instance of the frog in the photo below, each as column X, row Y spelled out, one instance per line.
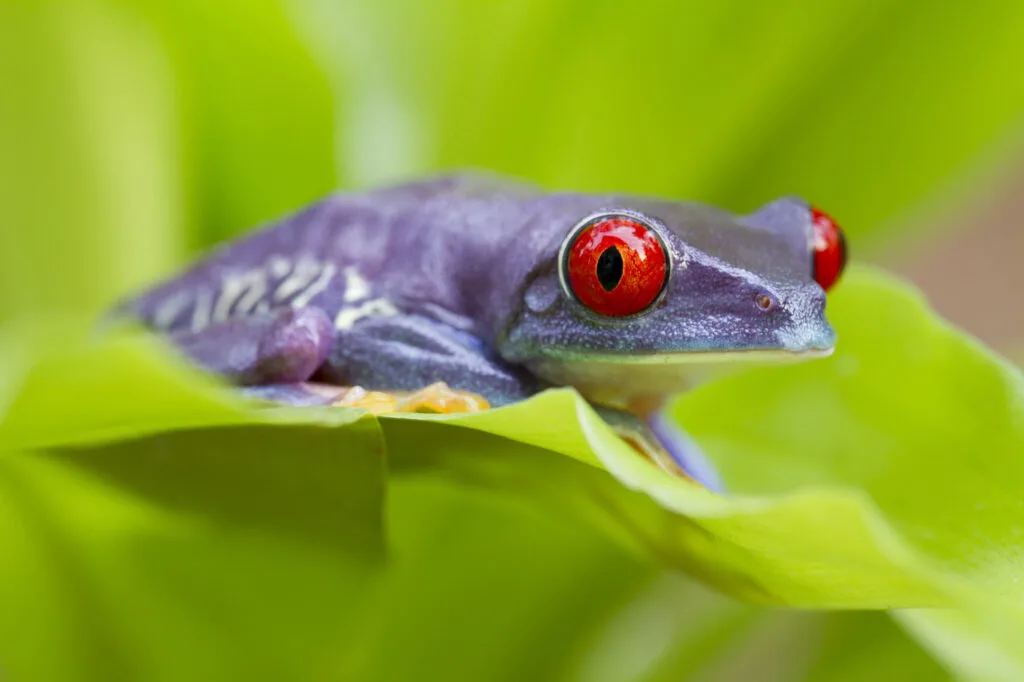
column 472, row 291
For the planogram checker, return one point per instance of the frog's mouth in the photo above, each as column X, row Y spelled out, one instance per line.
column 707, row 357
column 611, row 378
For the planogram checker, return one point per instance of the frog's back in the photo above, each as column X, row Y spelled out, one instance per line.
column 330, row 252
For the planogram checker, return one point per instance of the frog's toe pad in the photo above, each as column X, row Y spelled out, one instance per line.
column 376, row 402
column 436, row 398
column 441, row 399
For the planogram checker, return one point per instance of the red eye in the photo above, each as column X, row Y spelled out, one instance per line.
column 616, row 266
column 829, row 257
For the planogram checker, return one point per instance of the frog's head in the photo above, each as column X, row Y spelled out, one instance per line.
column 644, row 297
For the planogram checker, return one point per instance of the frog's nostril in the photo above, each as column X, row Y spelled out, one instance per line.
column 766, row 302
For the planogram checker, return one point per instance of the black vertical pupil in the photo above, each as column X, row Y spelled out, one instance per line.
column 609, row 268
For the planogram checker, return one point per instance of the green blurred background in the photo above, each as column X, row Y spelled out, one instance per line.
column 134, row 134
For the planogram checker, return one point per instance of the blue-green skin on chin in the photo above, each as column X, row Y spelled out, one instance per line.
column 459, row 279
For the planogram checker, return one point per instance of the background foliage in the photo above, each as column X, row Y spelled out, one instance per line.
column 154, row 528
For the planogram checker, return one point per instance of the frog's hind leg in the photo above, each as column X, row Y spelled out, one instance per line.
column 283, row 346
column 275, row 357
column 659, row 439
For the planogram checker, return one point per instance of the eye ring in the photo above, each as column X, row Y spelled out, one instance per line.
column 614, row 265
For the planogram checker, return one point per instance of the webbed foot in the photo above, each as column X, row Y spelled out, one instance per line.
column 660, row 441
column 437, row 398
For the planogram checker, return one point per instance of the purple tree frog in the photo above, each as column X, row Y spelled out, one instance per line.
column 464, row 292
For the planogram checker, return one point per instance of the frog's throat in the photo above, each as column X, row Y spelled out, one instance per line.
column 621, row 380
column 768, row 355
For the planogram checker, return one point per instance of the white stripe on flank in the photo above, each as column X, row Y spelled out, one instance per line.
column 168, row 310
column 303, row 299
column 305, row 271
column 378, row 307
column 201, row 313
column 356, row 287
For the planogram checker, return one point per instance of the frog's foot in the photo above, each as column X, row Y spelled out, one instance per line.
column 646, row 444
column 436, row 398
column 654, row 453
column 660, row 441
column 441, row 399
column 684, row 453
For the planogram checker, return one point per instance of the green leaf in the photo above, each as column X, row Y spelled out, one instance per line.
column 484, row 585
column 865, row 108
column 868, row 647
column 118, row 585
column 675, row 629
column 811, row 548
column 837, row 503
column 212, row 481
column 885, row 476
column 245, row 545
column 100, row 583
column 923, row 420
column 145, row 420
column 980, row 644
column 258, row 113
column 156, row 527
column 89, row 178
column 134, row 131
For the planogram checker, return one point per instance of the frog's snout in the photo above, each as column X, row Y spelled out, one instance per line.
column 807, row 328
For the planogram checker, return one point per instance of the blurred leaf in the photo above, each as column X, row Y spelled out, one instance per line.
column 791, row 646
column 100, row 584
column 258, row 112
column 146, row 421
column 483, row 586
column 980, row 645
column 118, row 586
column 908, row 506
column 89, row 175
column 863, row 107
column 677, row 630
column 674, row 629
column 146, row 474
column 156, row 527
column 811, row 548
column 228, row 553
column 867, row 647
column 125, row 123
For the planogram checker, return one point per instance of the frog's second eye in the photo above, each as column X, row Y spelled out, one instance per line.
column 828, row 257
column 616, row 265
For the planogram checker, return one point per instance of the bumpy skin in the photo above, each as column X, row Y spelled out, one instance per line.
column 456, row 279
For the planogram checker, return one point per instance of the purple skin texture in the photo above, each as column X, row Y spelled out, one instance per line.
column 457, row 279
column 283, row 347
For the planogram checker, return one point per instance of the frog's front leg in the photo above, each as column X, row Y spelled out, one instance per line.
column 422, row 363
column 662, row 441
